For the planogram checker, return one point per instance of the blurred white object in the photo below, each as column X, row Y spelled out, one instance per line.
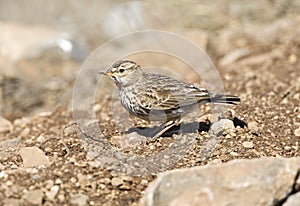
column 21, row 41
column 124, row 18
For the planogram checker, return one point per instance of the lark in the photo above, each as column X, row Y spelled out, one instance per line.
column 155, row 97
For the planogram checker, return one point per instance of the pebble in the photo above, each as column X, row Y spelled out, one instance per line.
column 11, row 202
column 234, row 154
column 5, row 125
column 34, row 197
column 10, row 143
column 79, row 199
column 297, row 132
column 33, row 156
column 248, row 145
column 224, row 125
column 25, row 132
column 21, row 122
column 97, row 107
column 116, row 181
column 287, row 148
column 253, row 127
column 52, row 193
column 40, row 138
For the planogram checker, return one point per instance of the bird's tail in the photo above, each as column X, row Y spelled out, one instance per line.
column 224, row 99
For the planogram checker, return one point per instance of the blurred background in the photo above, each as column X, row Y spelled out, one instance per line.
column 44, row 43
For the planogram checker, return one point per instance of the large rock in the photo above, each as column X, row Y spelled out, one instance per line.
column 33, row 156
column 264, row 182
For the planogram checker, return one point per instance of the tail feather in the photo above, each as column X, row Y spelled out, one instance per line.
column 224, row 99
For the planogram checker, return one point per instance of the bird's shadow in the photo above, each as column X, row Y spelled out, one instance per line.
column 183, row 128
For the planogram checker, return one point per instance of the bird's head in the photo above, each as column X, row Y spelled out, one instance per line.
column 124, row 73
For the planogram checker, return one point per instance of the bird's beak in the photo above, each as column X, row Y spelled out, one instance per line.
column 106, row 73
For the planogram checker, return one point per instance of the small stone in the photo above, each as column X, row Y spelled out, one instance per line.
column 58, row 181
column 34, row 197
column 223, row 125
column 215, row 161
column 10, row 143
column 3, row 174
column 97, row 107
column 40, row 138
column 33, row 156
column 253, row 127
column 79, row 199
column 11, row 202
column 21, row 122
column 52, row 193
column 248, row 145
column 5, row 125
column 287, row 148
column 61, row 197
column 128, row 141
column 234, row 154
column 297, row 132
column 116, row 181
column 293, row 58
column 125, row 186
column 49, row 184
column 25, row 132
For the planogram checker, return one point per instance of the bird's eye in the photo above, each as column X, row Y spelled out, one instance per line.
column 122, row 70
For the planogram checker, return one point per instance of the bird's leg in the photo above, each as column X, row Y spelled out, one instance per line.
column 167, row 126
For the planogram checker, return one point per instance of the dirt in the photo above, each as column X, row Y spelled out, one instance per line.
column 111, row 169
column 269, row 94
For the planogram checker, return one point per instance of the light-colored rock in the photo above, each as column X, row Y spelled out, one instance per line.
column 79, row 199
column 297, row 132
column 223, row 125
column 253, row 127
column 33, row 156
column 9, row 143
column 11, row 202
column 248, row 145
column 52, row 193
column 128, row 141
column 116, row 181
column 293, row 200
column 5, row 125
column 259, row 182
column 33, row 197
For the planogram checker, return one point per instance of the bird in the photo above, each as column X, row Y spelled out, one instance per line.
column 156, row 97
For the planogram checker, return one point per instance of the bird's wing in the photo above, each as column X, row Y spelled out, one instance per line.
column 170, row 94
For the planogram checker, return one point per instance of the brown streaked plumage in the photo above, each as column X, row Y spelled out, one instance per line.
column 156, row 97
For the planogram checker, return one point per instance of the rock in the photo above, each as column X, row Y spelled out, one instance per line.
column 223, row 125
column 9, row 143
column 33, row 197
column 253, row 127
column 248, row 145
column 33, row 156
column 116, row 181
column 79, row 199
column 128, row 141
column 255, row 182
column 297, row 132
column 293, row 200
column 11, row 202
column 52, row 193
column 5, row 125
column 21, row 44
